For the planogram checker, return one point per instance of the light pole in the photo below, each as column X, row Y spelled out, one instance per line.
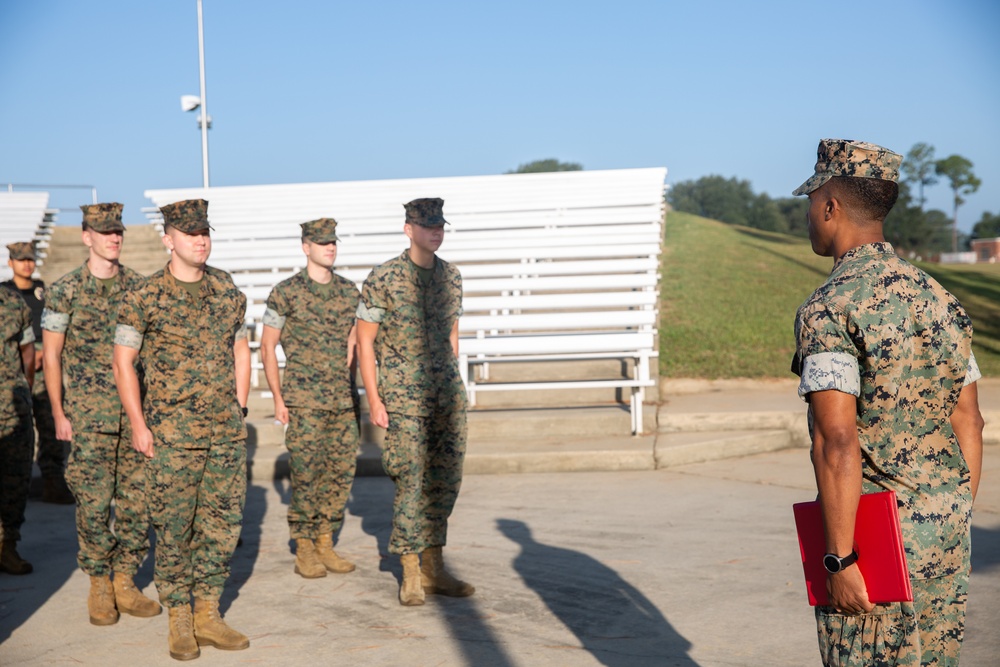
column 190, row 102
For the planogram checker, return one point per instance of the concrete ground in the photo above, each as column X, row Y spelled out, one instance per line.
column 693, row 565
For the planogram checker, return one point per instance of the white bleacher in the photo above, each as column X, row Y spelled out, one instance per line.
column 24, row 216
column 555, row 266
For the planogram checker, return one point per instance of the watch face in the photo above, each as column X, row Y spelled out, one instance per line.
column 831, row 563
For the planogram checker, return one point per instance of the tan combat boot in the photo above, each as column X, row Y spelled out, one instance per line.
column 306, row 561
column 211, row 630
column 410, row 592
column 329, row 557
column 436, row 580
column 101, row 601
column 130, row 599
column 11, row 561
column 180, row 637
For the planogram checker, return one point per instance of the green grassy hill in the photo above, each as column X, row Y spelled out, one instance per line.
column 729, row 296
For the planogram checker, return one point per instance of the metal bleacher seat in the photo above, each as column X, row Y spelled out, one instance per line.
column 24, row 216
column 556, row 266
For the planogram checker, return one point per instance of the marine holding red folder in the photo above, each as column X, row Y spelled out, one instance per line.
column 886, row 365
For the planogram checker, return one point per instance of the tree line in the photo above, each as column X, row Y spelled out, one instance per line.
column 909, row 227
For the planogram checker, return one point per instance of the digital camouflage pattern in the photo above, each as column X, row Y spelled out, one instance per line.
column 421, row 387
column 103, row 218
column 315, row 321
column 103, row 467
column 17, row 438
column 186, row 349
column 196, row 480
column 197, row 510
column 323, row 455
column 925, row 632
column 423, row 456
column 80, row 307
column 21, row 250
column 418, row 371
column 885, row 327
column 426, row 212
column 188, row 216
column 321, row 231
column 846, row 157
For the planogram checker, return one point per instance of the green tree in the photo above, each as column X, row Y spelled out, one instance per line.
column 988, row 226
column 793, row 210
column 729, row 200
column 549, row 164
column 912, row 230
column 958, row 171
column 918, row 168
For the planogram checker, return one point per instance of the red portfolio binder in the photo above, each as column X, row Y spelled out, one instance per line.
column 877, row 539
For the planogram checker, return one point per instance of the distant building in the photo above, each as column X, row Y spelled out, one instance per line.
column 987, row 250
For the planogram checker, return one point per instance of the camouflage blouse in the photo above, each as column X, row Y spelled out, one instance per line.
column 16, row 329
column 888, row 333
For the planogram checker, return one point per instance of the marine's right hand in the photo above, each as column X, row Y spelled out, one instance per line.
column 64, row 430
column 280, row 411
column 848, row 593
column 377, row 413
column 142, row 441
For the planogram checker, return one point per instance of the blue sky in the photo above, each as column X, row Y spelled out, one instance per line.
column 309, row 91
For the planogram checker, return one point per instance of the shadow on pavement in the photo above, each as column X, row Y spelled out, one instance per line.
column 612, row 619
column 985, row 549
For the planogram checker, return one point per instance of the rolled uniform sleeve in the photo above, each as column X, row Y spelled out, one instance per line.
column 131, row 322
column 277, row 310
column 55, row 322
column 372, row 306
column 27, row 336
column 972, row 373
column 829, row 358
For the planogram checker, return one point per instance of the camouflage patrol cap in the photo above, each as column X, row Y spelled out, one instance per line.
column 188, row 216
column 323, row 230
column 425, row 212
column 21, row 250
column 846, row 157
column 103, row 218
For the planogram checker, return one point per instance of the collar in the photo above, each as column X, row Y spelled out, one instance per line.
column 866, row 251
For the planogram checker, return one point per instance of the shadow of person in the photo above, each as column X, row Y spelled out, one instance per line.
column 612, row 619
column 248, row 548
column 371, row 501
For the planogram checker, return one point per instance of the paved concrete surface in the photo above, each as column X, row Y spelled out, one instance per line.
column 696, row 565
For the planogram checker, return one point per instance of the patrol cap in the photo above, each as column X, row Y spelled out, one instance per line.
column 425, row 212
column 846, row 157
column 188, row 216
column 21, row 250
column 323, row 230
column 103, row 218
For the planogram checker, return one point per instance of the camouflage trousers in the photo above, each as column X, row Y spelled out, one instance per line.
column 51, row 453
column 925, row 632
column 16, row 443
column 323, row 452
column 423, row 456
column 103, row 468
column 196, row 499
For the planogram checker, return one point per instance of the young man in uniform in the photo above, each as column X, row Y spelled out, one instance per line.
column 886, row 365
column 186, row 324
column 312, row 315
column 17, row 371
column 51, row 451
column 408, row 322
column 79, row 332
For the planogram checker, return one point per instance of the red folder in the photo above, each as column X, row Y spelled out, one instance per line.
column 877, row 539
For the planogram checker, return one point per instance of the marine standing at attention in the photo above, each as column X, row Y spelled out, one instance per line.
column 17, row 439
column 51, row 454
column 312, row 315
column 408, row 322
column 187, row 326
column 886, row 365
column 78, row 325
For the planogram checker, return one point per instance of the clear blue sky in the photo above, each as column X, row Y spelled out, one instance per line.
column 317, row 90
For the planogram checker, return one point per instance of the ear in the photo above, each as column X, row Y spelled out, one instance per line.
column 305, row 248
column 408, row 230
column 168, row 242
column 87, row 240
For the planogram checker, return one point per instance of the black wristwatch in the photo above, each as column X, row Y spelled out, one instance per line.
column 834, row 563
column 246, row 411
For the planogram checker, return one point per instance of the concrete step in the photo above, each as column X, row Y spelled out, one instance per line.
column 682, row 448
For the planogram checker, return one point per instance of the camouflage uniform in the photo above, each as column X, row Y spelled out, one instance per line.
column 318, row 388
column 16, row 436
column 50, row 453
column 196, row 479
column 420, row 384
column 102, row 464
column 884, row 331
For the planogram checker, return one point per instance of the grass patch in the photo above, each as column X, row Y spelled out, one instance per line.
column 729, row 296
